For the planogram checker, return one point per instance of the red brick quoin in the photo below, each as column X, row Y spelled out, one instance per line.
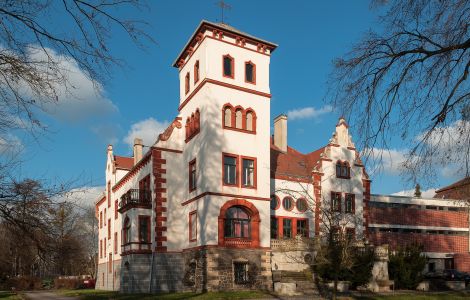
column 254, row 218
column 160, row 200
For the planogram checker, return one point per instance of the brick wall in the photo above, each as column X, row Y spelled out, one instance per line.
column 462, row 262
column 431, row 242
column 417, row 217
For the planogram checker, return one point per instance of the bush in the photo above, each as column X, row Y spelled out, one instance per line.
column 21, row 283
column 406, row 265
column 67, row 283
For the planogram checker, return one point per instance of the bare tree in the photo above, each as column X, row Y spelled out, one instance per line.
column 410, row 81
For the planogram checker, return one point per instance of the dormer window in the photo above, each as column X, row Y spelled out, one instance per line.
column 186, row 83
column 250, row 72
column 228, row 66
column 196, row 71
column 342, row 169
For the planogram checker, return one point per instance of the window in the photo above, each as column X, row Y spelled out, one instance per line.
column 192, row 125
column 431, row 267
column 196, row 71
column 250, row 121
column 342, row 169
column 192, row 175
column 115, row 243
column 248, row 175
column 101, row 219
column 230, row 170
column 116, row 209
column 240, row 272
column 335, row 201
column 301, row 205
column 287, row 203
column 239, row 119
column 109, row 229
column 109, row 195
column 274, row 202
column 227, row 116
column 110, row 263
column 126, row 231
column 274, row 228
column 104, row 217
column 287, row 228
column 237, row 223
column 228, row 66
column 101, row 249
column 104, row 246
column 144, row 229
column 250, row 72
column 302, row 228
column 192, row 226
column 349, row 203
column 186, row 83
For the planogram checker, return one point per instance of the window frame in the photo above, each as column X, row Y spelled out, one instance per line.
column 233, row 118
column 278, row 202
column 301, row 199
column 253, row 72
column 187, row 79
column 192, row 184
column 245, row 268
column 196, row 71
column 353, row 203
column 190, row 236
column 341, row 166
column 306, row 229
column 255, row 171
column 292, row 203
column 148, row 234
column 237, row 175
column 336, row 208
column 232, row 66
column 109, row 228
column 291, row 235
column 240, row 221
column 126, row 231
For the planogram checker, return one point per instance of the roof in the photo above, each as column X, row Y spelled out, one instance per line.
column 225, row 27
column 293, row 163
column 457, row 190
column 123, row 162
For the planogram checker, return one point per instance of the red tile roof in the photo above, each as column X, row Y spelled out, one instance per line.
column 457, row 190
column 293, row 163
column 123, row 162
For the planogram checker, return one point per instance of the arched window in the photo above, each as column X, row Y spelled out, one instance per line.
column 186, row 83
column 287, row 203
column 342, row 169
column 250, row 72
column 197, row 116
column 187, row 126
column 196, row 71
column 274, row 202
column 301, row 205
column 228, row 66
column 250, row 120
column 237, row 223
column 126, row 231
column 228, row 116
column 239, row 119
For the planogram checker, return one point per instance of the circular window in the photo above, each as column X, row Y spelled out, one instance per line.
column 287, row 203
column 301, row 204
column 274, row 202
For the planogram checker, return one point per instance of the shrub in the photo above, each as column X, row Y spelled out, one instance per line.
column 67, row 283
column 406, row 265
column 21, row 283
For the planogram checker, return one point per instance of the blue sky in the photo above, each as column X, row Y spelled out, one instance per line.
column 143, row 96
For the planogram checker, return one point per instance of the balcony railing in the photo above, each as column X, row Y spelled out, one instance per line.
column 294, row 244
column 135, row 198
column 136, row 248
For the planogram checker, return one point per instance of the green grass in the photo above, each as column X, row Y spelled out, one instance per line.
column 9, row 296
column 102, row 295
column 419, row 296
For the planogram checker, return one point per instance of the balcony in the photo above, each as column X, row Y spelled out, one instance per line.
column 294, row 244
column 135, row 198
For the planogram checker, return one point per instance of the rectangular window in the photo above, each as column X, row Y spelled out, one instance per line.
column 192, row 226
column 110, row 263
column 115, row 243
column 109, row 229
column 101, row 249
column 249, row 166
column 101, row 219
column 196, row 71
column 287, row 228
column 228, row 66
column 230, row 170
column 274, row 228
column 335, row 201
column 104, row 217
column 104, row 247
column 250, row 72
column 144, row 229
column 302, row 228
column 240, row 270
column 349, row 203
column 116, row 209
column 192, row 175
column 186, row 83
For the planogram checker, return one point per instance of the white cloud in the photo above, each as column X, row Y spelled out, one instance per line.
column 148, row 130
column 10, row 144
column 387, row 161
column 308, row 112
column 85, row 196
column 424, row 194
column 78, row 97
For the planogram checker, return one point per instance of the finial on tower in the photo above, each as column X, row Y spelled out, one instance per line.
column 223, row 5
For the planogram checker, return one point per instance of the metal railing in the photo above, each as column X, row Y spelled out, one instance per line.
column 136, row 197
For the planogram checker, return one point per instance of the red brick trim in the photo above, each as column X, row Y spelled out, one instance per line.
column 365, row 204
column 100, row 202
column 233, row 111
column 203, row 247
column 317, row 194
column 254, row 223
column 290, row 178
column 223, row 195
column 224, row 84
column 158, row 169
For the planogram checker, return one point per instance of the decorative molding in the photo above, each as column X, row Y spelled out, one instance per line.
column 169, row 130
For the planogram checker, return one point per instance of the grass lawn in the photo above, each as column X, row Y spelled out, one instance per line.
column 97, row 294
column 419, row 296
column 9, row 296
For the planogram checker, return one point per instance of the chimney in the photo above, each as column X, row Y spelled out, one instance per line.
column 280, row 132
column 137, row 150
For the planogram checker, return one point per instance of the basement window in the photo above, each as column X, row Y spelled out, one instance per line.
column 240, row 272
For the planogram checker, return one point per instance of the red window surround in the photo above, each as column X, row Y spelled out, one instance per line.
column 193, row 227
column 101, row 219
column 116, row 209
column 193, row 125
column 186, row 83
column 115, row 243
column 253, row 241
column 254, row 72
column 192, row 178
column 336, row 201
column 286, row 200
column 280, row 226
column 232, row 67
column 101, row 249
column 239, row 170
column 196, row 72
column 109, row 229
column 247, row 115
column 104, row 247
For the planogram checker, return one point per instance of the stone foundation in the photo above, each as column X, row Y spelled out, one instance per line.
column 106, row 280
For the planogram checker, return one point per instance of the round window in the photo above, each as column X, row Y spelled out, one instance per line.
column 287, row 203
column 274, row 202
column 301, row 205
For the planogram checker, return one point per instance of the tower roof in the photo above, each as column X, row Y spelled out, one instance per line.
column 223, row 27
